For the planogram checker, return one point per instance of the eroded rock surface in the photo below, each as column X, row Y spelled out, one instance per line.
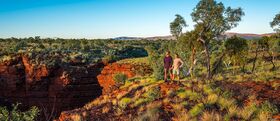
column 130, row 69
column 61, row 87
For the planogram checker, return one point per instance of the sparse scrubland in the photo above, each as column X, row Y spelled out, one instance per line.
column 222, row 79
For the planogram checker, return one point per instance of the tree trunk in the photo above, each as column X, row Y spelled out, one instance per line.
column 256, row 56
column 243, row 68
column 193, row 61
column 217, row 64
column 271, row 59
column 209, row 76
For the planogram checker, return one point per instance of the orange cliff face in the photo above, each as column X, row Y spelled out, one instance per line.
column 62, row 87
column 106, row 78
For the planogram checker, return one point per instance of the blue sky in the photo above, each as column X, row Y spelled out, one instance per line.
column 113, row 18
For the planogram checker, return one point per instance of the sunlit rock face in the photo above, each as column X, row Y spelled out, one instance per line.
column 60, row 87
column 106, row 78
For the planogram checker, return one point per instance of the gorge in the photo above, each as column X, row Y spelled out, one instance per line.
column 57, row 88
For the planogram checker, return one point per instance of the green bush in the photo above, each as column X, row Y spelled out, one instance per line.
column 140, row 101
column 153, row 93
column 269, row 107
column 119, row 79
column 124, row 102
column 109, row 58
column 17, row 115
column 196, row 110
column 156, row 61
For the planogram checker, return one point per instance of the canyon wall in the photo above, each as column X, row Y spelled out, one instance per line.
column 60, row 87
column 127, row 67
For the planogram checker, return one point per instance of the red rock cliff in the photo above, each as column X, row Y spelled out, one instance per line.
column 63, row 87
column 127, row 67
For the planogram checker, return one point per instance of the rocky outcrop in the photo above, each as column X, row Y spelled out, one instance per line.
column 60, row 87
column 63, row 86
column 130, row 69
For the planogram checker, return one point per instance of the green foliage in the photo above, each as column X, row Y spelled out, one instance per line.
column 109, row 58
column 124, row 102
column 17, row 115
column 74, row 51
column 151, row 114
column 153, row 93
column 237, row 50
column 156, row 61
column 212, row 19
column 196, row 110
column 119, row 78
column 177, row 25
column 247, row 112
column 225, row 103
column 141, row 101
column 276, row 23
column 268, row 107
column 211, row 99
column 191, row 95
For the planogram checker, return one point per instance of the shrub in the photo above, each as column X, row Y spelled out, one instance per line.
column 264, row 116
column 211, row 99
column 140, row 101
column 227, row 94
column 171, row 93
column 232, row 111
column 183, row 95
column 207, row 116
column 119, row 78
column 236, row 49
column 155, row 60
column 124, row 102
column 152, row 114
column 207, row 89
column 109, row 58
column 153, row 93
column 247, row 112
column 17, row 115
column 268, row 107
column 196, row 110
column 225, row 103
column 194, row 96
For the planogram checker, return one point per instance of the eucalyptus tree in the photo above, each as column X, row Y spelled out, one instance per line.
column 176, row 27
column 188, row 44
column 237, row 50
column 212, row 19
column 276, row 23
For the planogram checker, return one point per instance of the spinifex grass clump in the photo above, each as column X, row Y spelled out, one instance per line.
column 153, row 93
column 196, row 110
column 119, row 78
column 123, row 103
column 191, row 95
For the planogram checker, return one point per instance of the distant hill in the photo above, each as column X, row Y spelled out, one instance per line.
column 145, row 38
column 226, row 35
column 247, row 35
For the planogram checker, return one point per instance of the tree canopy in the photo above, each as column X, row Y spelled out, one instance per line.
column 212, row 19
column 177, row 25
column 276, row 23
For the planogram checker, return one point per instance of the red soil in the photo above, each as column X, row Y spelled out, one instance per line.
column 262, row 91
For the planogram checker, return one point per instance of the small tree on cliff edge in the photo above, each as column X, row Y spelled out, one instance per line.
column 212, row 19
column 176, row 27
